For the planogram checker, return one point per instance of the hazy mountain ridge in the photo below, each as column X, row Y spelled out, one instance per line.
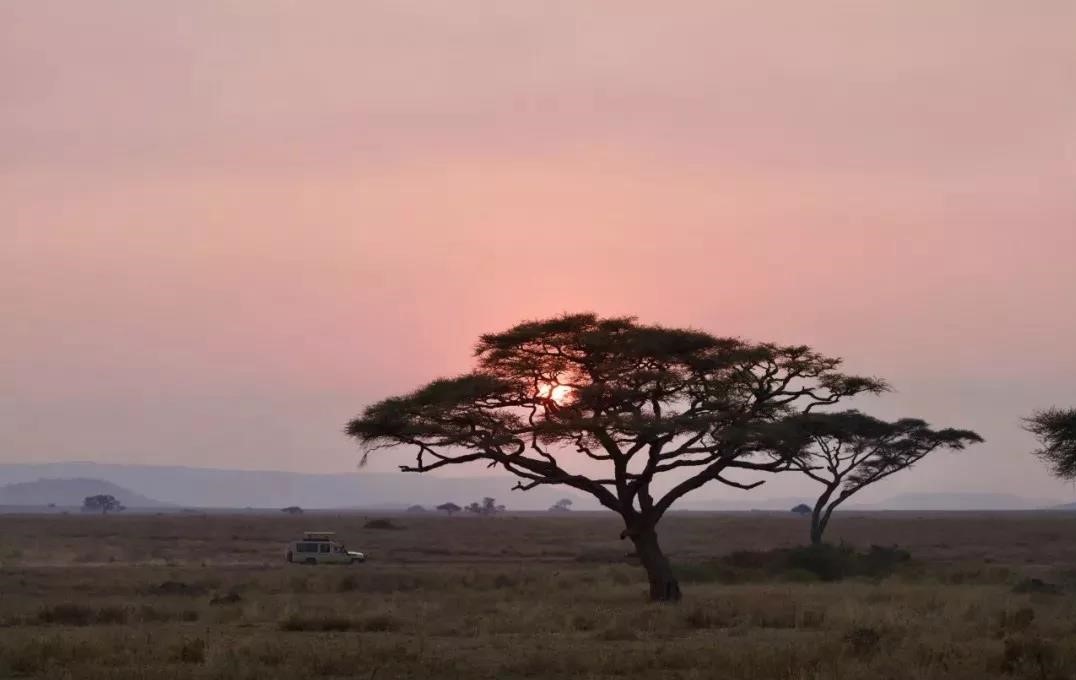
column 907, row 501
column 69, row 492
column 216, row 488
column 157, row 486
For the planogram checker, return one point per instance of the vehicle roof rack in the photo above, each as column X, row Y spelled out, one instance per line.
column 318, row 535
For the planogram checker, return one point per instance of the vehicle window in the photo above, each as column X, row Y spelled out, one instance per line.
column 307, row 547
column 324, row 547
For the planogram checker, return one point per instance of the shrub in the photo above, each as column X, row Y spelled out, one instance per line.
column 1036, row 586
column 315, row 624
column 378, row 623
column 347, row 584
column 1031, row 657
column 375, row 623
column 824, row 562
column 227, row 598
column 177, row 588
column 67, row 614
column 1018, row 620
column 382, row 523
column 190, row 650
column 72, row 614
column 863, row 641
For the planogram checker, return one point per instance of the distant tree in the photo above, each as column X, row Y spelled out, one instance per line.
column 1056, row 431
column 563, row 505
column 631, row 400
column 449, row 508
column 802, row 509
column 292, row 510
column 102, row 503
column 847, row 451
column 487, row 507
column 416, row 508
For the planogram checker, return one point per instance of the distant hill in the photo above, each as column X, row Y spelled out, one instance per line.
column 958, row 501
column 69, row 493
column 213, row 488
column 910, row 501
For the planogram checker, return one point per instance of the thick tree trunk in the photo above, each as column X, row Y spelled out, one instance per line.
column 820, row 516
column 816, row 529
column 663, row 584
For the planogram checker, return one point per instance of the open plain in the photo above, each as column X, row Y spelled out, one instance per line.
column 983, row 595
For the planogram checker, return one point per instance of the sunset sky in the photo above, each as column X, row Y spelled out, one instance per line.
column 229, row 225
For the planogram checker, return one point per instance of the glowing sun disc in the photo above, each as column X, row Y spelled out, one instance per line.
column 560, row 394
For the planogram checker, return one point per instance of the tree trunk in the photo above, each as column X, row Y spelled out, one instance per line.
column 663, row 584
column 820, row 516
column 816, row 529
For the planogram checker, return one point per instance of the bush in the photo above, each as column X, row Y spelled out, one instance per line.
column 227, row 598
column 67, row 614
column 71, row 614
column 378, row 623
column 1036, row 586
column 347, row 584
column 189, row 651
column 1031, row 657
column 381, row 524
column 863, row 641
column 375, row 623
column 315, row 624
column 177, row 588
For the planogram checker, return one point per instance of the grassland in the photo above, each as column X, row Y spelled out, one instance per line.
column 187, row 596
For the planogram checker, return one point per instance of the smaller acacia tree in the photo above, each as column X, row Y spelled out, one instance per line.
column 1056, row 431
column 449, row 508
column 802, row 509
column 103, row 503
column 563, row 505
column 847, row 451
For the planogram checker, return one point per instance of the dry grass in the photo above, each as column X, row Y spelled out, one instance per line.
column 535, row 597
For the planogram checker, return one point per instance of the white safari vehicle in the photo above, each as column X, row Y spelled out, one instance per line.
column 319, row 547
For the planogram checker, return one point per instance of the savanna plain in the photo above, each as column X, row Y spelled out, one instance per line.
column 965, row 595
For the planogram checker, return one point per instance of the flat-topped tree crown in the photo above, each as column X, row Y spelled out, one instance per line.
column 848, row 451
column 632, row 400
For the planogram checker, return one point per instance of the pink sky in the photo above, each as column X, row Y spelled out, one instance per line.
column 229, row 225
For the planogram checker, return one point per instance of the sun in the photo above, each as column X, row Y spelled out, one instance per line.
column 560, row 394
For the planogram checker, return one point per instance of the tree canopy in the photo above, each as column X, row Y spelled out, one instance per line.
column 637, row 401
column 449, row 508
column 848, row 451
column 103, row 503
column 1056, row 431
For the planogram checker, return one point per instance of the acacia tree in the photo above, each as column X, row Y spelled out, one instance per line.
column 103, row 503
column 847, row 451
column 449, row 508
column 1056, row 431
column 563, row 505
column 609, row 406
